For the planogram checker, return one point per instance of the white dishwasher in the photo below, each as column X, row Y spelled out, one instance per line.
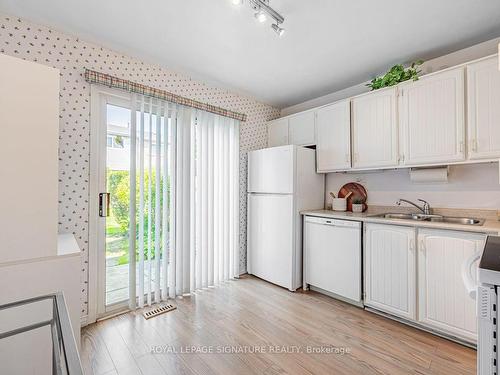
column 332, row 257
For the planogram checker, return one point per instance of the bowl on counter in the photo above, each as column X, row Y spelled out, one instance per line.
column 339, row 204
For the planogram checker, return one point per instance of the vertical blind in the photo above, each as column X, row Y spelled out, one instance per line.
column 184, row 225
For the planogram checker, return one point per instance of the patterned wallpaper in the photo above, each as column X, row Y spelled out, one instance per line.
column 71, row 55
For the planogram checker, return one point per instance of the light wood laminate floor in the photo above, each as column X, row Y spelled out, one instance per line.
column 253, row 315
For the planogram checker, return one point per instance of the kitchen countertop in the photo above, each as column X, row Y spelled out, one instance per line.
column 490, row 226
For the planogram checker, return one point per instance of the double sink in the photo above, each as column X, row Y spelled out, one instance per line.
column 433, row 218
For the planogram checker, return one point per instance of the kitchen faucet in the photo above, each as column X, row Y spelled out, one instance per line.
column 426, row 208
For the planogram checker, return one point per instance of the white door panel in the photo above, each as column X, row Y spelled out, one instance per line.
column 432, row 119
column 444, row 301
column 270, row 237
column 333, row 130
column 375, row 130
column 483, row 95
column 390, row 268
column 301, row 129
column 271, row 170
column 277, row 133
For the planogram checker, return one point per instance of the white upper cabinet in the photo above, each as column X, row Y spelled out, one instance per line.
column 444, row 301
column 375, row 130
column 301, row 129
column 390, row 269
column 483, row 99
column 333, row 137
column 277, row 132
column 432, row 119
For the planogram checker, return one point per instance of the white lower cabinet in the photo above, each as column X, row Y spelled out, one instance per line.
column 444, row 303
column 390, row 269
column 397, row 276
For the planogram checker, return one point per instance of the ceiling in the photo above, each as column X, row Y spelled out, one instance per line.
column 328, row 45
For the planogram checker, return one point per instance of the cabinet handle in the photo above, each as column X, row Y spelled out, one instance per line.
column 474, row 145
column 412, row 244
column 461, row 146
column 355, row 157
column 422, row 245
column 347, row 158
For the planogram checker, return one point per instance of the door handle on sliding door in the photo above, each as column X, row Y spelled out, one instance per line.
column 103, row 204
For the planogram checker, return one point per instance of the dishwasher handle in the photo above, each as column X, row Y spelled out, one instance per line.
column 332, row 222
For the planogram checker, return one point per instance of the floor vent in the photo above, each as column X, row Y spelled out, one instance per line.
column 158, row 310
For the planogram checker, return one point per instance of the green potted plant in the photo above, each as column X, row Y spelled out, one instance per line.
column 357, row 205
column 395, row 75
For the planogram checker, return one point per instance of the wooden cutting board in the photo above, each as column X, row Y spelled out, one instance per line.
column 358, row 191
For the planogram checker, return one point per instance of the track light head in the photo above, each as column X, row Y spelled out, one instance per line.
column 279, row 30
column 261, row 16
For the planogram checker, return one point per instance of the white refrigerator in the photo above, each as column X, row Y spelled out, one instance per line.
column 282, row 181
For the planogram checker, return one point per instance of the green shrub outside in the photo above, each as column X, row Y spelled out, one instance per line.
column 119, row 189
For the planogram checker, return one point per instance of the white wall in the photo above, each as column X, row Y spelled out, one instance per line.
column 477, row 51
column 29, row 118
column 469, row 186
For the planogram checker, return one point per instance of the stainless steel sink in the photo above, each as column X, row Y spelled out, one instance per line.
column 459, row 220
column 398, row 216
column 434, row 218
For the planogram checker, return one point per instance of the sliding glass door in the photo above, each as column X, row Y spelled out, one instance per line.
column 135, row 140
column 164, row 200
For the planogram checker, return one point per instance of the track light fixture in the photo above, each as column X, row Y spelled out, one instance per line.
column 262, row 11
column 279, row 30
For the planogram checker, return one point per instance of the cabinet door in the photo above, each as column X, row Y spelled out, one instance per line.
column 302, row 129
column 483, row 99
column 375, row 131
column 277, row 133
column 333, row 132
column 444, row 302
column 390, row 262
column 432, row 119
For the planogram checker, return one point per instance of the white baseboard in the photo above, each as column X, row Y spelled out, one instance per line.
column 83, row 321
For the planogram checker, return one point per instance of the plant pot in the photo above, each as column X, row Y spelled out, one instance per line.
column 357, row 207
